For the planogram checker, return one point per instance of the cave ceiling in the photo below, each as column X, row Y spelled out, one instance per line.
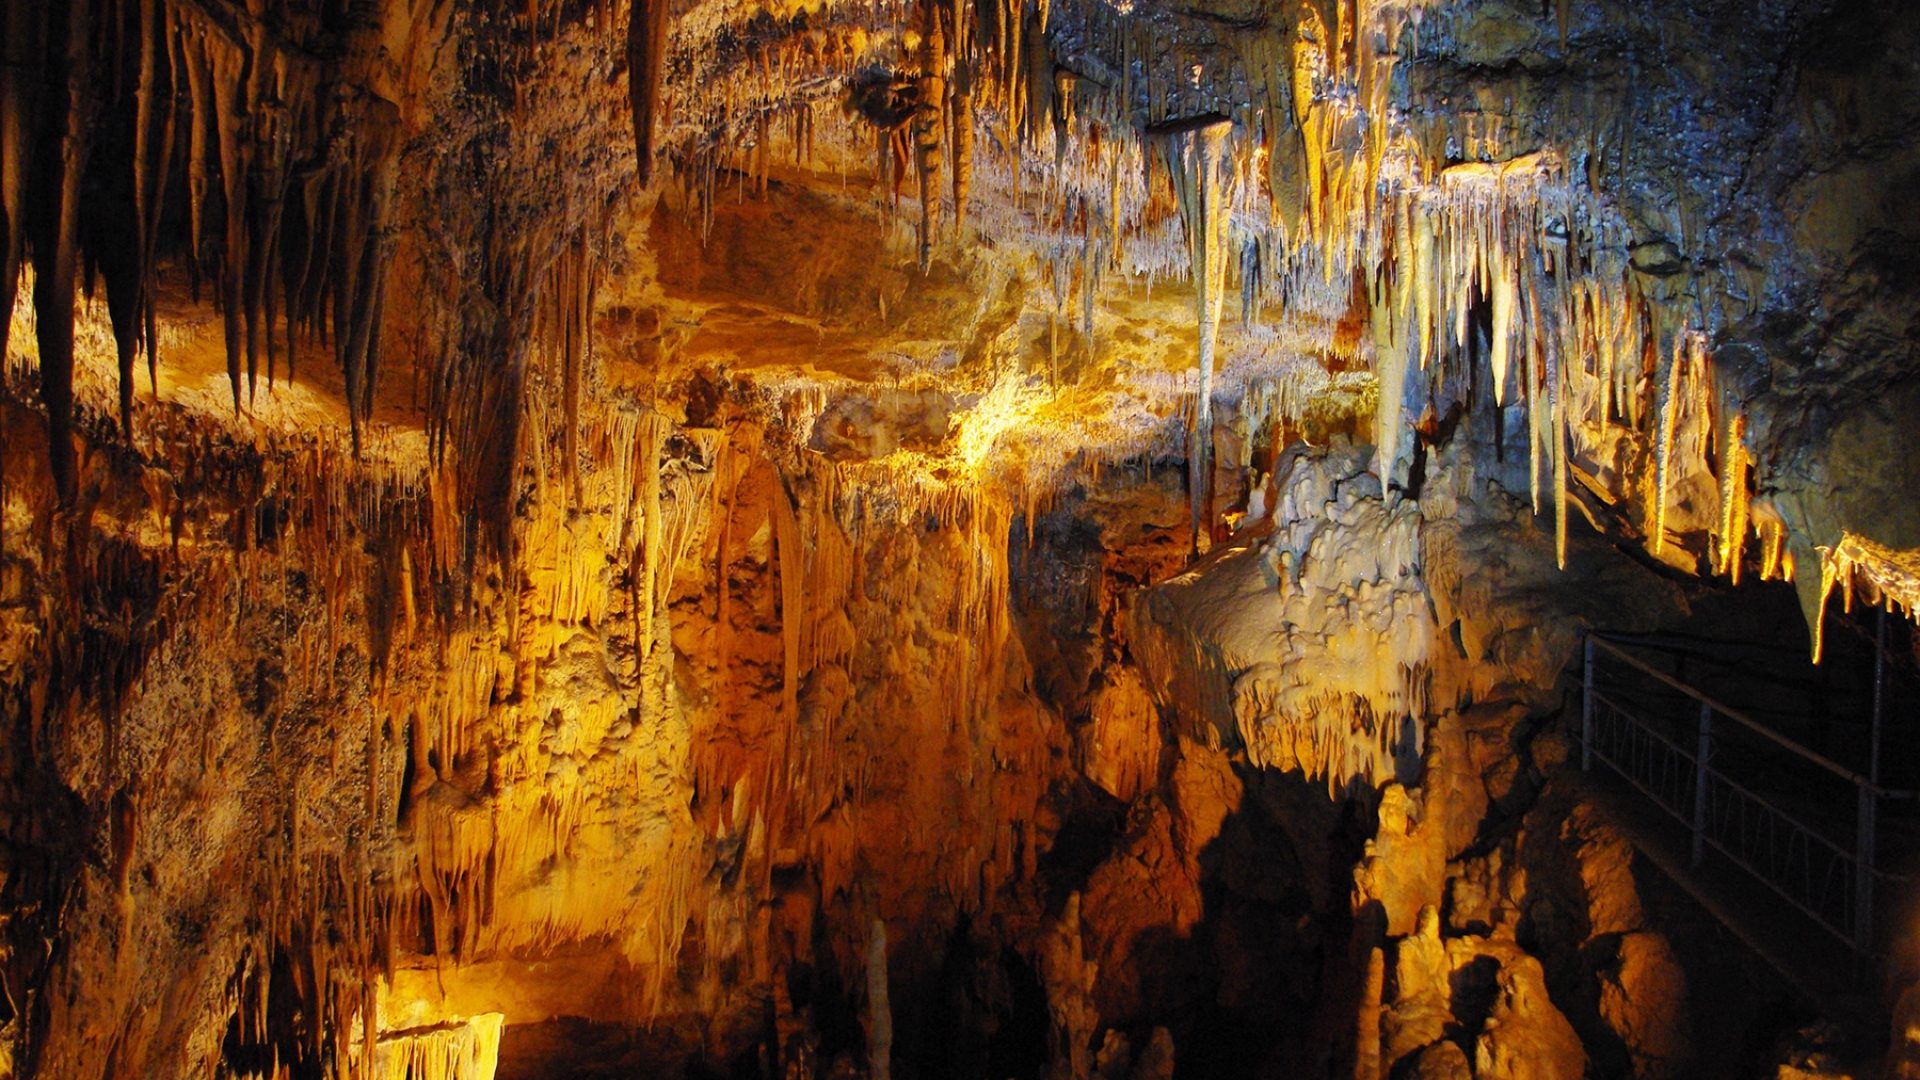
column 1041, row 223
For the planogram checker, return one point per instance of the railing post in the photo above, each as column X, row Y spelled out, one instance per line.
column 1865, row 840
column 1703, row 751
column 1879, row 696
column 1863, row 858
column 1586, row 706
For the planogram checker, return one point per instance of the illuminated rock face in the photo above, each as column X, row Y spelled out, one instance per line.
column 1316, row 636
column 930, row 539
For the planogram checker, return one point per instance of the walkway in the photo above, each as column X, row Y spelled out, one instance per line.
column 1783, row 845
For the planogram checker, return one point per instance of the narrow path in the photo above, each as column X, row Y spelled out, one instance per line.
column 1775, row 841
column 1817, row 965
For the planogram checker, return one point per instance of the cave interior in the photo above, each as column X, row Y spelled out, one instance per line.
column 960, row 539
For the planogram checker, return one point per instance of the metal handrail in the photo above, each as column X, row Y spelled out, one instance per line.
column 1857, row 868
column 1752, row 725
column 1665, row 802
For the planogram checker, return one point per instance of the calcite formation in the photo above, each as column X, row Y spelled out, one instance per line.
column 922, row 537
column 1314, row 639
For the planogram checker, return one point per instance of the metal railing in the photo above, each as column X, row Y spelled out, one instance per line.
column 1707, row 764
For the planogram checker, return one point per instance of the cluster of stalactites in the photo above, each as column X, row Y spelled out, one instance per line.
column 465, row 1048
column 1309, row 112
column 1338, row 740
column 1349, row 195
column 330, row 964
column 720, row 87
column 660, row 499
column 639, row 511
column 1326, row 186
column 742, row 82
column 280, row 165
column 829, row 522
column 1884, row 575
column 1065, row 96
column 1571, row 336
column 1565, row 329
column 1575, row 334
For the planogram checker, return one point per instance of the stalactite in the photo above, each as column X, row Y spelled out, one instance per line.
column 1503, row 330
column 1673, row 375
column 960, row 116
column 1195, row 153
column 295, row 273
column 646, row 64
column 188, row 38
column 1831, row 573
column 927, row 123
column 266, row 195
column 234, row 159
column 570, row 289
column 1775, row 562
column 118, row 265
column 55, row 249
column 23, row 26
column 1734, row 465
column 1854, row 564
column 363, row 258
column 1557, row 430
column 793, row 603
column 646, row 562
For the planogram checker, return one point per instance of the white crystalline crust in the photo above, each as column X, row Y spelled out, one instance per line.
column 1314, row 638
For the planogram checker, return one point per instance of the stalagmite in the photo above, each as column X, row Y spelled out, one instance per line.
column 1367, row 1063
